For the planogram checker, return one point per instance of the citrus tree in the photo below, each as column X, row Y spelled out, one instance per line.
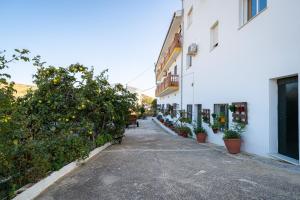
column 70, row 112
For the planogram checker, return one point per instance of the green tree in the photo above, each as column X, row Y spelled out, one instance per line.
column 70, row 112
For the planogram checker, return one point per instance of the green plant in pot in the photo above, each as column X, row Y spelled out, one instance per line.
column 200, row 134
column 185, row 120
column 216, row 125
column 184, row 131
column 232, row 108
column 232, row 138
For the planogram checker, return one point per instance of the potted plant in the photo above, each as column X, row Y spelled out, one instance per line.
column 215, row 127
column 232, row 138
column 162, row 120
column 216, row 123
column 232, row 108
column 200, row 134
column 184, row 131
column 214, row 115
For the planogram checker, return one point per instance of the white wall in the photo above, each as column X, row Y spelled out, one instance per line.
column 241, row 67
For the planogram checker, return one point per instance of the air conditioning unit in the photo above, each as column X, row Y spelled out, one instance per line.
column 193, row 49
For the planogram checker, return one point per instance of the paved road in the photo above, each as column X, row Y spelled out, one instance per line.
column 151, row 164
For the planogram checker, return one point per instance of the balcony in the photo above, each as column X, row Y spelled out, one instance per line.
column 170, row 57
column 169, row 85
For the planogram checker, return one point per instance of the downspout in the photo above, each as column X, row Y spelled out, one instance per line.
column 181, row 70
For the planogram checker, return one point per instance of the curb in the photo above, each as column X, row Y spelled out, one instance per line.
column 43, row 184
column 163, row 127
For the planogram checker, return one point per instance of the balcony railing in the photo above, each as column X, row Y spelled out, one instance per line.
column 176, row 44
column 169, row 85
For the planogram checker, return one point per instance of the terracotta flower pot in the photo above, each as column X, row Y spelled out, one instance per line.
column 233, row 145
column 201, row 137
column 184, row 134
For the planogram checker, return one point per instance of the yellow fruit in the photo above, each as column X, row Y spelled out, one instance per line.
column 15, row 142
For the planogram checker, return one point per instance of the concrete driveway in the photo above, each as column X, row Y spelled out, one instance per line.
column 151, row 164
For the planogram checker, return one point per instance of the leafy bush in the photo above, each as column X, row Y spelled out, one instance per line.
column 184, row 129
column 231, row 134
column 235, row 132
column 185, row 120
column 59, row 122
column 103, row 139
column 199, row 130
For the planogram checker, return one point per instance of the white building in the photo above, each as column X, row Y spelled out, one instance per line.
column 243, row 51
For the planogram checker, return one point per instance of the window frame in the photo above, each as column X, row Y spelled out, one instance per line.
column 214, row 36
column 226, row 115
column 189, row 61
column 189, row 112
column 244, row 16
column 190, row 17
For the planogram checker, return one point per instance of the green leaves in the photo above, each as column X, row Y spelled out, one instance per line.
column 70, row 112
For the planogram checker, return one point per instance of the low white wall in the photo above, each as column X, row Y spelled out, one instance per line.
column 42, row 185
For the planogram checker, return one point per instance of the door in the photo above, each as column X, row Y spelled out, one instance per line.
column 288, row 123
column 190, row 112
column 199, row 115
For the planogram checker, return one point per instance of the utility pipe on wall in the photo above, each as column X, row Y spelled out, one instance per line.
column 182, row 42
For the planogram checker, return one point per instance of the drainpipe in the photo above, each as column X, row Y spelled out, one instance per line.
column 181, row 71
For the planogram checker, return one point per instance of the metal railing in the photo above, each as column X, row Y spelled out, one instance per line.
column 169, row 81
column 175, row 44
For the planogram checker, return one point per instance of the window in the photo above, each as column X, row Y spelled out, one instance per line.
column 175, row 70
column 190, row 17
column 214, row 36
column 189, row 112
column 221, row 111
column 250, row 8
column 189, row 60
column 174, row 113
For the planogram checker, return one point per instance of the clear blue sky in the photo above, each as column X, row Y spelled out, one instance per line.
column 124, row 36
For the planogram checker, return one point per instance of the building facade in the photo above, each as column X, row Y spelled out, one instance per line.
column 243, row 53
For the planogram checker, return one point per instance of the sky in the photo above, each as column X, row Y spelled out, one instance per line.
column 123, row 36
